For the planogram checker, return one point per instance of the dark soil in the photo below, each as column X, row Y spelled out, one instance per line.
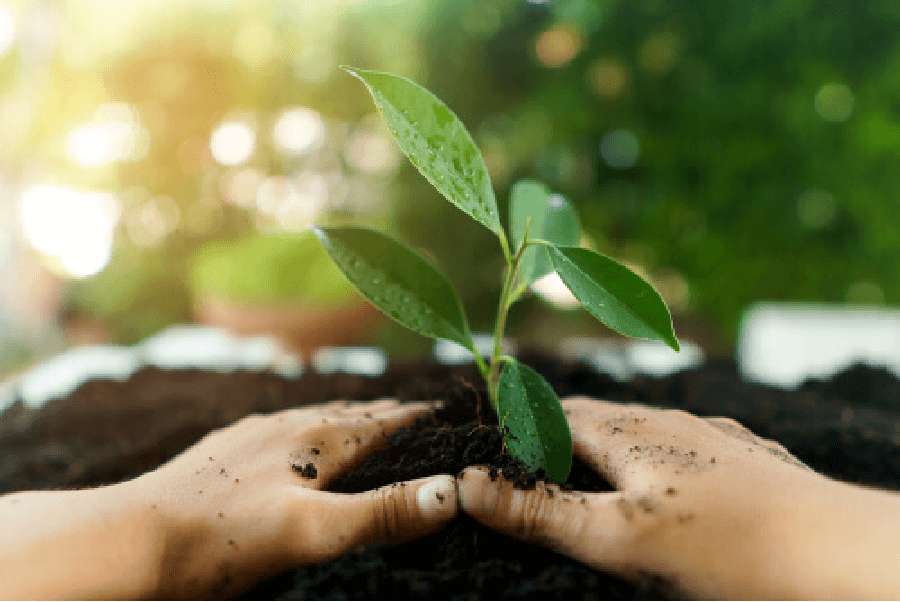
column 847, row 427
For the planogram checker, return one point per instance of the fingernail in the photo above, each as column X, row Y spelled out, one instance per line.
column 436, row 495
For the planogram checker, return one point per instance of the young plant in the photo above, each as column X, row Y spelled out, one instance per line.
column 544, row 232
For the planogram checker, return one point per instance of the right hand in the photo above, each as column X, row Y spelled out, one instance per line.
column 699, row 501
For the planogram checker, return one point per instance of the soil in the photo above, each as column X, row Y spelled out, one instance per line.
column 847, row 427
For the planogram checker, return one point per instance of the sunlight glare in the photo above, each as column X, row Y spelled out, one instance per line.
column 75, row 227
column 7, row 29
column 232, row 143
column 299, row 131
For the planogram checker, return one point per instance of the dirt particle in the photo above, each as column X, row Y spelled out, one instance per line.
column 237, row 480
column 692, row 454
column 232, row 543
column 637, row 448
column 222, row 471
column 625, row 508
column 646, row 504
column 315, row 450
column 684, row 518
column 200, row 492
column 550, row 493
column 308, row 470
column 616, row 429
column 671, row 491
column 211, row 459
column 152, row 506
column 221, row 515
column 368, row 414
column 440, row 497
column 712, row 460
column 358, row 440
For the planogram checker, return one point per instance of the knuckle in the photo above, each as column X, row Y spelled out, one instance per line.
column 537, row 513
column 389, row 509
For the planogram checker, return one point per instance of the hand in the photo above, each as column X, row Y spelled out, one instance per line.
column 701, row 503
column 246, row 502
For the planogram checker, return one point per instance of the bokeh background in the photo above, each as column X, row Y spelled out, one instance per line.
column 729, row 152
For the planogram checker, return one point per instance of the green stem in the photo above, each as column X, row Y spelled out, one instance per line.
column 482, row 367
column 507, row 297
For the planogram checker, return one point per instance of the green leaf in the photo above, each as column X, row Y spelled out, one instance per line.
column 399, row 282
column 437, row 143
column 614, row 294
column 552, row 219
column 535, row 427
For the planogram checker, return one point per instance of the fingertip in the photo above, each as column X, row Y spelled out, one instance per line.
column 478, row 490
column 437, row 498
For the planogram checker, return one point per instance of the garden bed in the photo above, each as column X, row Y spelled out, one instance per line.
column 847, row 427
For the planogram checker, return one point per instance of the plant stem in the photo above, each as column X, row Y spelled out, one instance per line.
column 507, row 296
column 482, row 367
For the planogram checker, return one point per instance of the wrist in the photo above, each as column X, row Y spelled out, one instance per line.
column 90, row 543
column 146, row 532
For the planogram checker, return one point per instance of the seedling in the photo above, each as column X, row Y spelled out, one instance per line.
column 544, row 232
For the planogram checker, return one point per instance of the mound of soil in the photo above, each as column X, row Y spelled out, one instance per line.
column 847, row 427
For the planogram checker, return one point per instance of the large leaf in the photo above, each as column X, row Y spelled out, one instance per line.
column 399, row 281
column 437, row 143
column 552, row 219
column 614, row 294
column 535, row 427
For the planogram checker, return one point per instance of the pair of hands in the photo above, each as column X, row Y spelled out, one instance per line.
column 691, row 493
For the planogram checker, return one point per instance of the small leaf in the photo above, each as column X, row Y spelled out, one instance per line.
column 399, row 282
column 437, row 143
column 536, row 430
column 552, row 219
column 614, row 294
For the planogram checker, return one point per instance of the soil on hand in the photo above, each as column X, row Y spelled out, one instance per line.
column 847, row 427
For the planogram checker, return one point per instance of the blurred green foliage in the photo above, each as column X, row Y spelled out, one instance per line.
column 732, row 152
column 769, row 135
column 274, row 267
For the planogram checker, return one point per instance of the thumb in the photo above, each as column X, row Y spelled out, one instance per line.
column 580, row 525
column 402, row 511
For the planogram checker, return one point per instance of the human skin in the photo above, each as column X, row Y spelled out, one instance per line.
column 225, row 514
column 706, row 507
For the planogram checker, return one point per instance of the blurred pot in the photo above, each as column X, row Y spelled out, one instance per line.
column 302, row 326
column 281, row 285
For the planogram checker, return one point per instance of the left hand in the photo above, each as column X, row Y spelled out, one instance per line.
column 247, row 502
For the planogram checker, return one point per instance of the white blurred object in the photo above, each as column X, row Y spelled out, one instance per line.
column 622, row 360
column 177, row 347
column 258, row 353
column 784, row 344
column 659, row 360
column 365, row 361
column 192, row 347
column 552, row 289
column 66, row 372
column 453, row 354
